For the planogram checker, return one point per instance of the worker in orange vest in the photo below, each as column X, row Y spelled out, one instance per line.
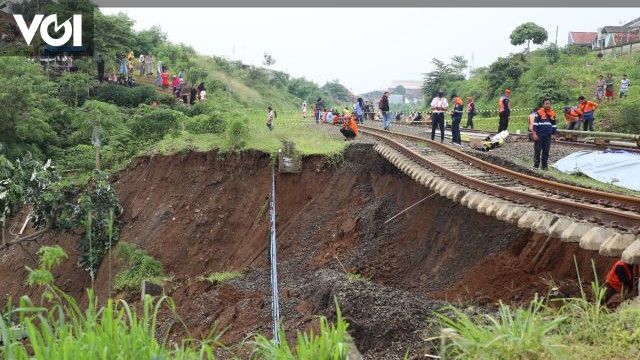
column 504, row 110
column 619, row 276
column 572, row 118
column 587, row 113
column 349, row 127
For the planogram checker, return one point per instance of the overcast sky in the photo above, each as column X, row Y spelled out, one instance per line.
column 364, row 48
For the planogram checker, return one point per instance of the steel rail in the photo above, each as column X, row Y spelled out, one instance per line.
column 614, row 217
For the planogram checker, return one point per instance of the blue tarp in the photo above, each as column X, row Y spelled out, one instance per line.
column 620, row 168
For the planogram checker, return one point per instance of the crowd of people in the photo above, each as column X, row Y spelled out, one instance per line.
column 123, row 74
column 605, row 87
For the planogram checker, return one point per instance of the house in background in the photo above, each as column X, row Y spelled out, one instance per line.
column 580, row 38
column 610, row 36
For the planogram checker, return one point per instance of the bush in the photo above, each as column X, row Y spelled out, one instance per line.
column 628, row 113
column 153, row 124
column 139, row 266
column 125, row 96
column 206, row 123
column 237, row 133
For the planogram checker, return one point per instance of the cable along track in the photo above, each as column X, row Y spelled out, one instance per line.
column 612, row 210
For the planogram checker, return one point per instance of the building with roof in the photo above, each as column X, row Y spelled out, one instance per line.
column 610, row 36
column 581, row 38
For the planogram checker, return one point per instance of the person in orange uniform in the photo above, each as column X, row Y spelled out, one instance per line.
column 587, row 113
column 572, row 118
column 349, row 127
column 504, row 110
column 619, row 276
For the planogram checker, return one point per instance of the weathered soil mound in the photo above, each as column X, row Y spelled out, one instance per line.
column 200, row 213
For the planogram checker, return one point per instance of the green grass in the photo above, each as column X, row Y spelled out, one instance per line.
column 577, row 328
column 309, row 138
column 355, row 277
column 221, row 277
column 139, row 266
column 332, row 343
column 114, row 331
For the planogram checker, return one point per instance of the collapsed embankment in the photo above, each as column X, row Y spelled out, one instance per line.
column 200, row 213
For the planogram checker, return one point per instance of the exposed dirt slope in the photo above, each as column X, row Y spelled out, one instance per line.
column 202, row 212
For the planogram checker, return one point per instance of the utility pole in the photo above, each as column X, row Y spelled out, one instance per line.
column 557, row 26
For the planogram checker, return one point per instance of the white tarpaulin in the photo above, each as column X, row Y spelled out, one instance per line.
column 620, row 168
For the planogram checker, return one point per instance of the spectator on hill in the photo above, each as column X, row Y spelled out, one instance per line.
column 113, row 78
column 148, row 63
column 587, row 109
column 193, row 93
column 304, row 109
column 165, row 79
column 439, row 105
column 624, row 86
column 608, row 92
column 159, row 75
column 504, row 110
column 359, row 110
column 130, row 59
column 122, row 65
column 600, row 88
column 270, row 116
column 329, row 116
column 141, row 64
column 471, row 112
column 201, row 91
column 100, row 63
column 181, row 74
column 383, row 105
column 175, row 82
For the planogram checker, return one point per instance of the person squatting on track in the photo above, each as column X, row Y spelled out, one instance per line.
column 619, row 277
column 456, row 118
column 383, row 105
column 587, row 109
column 504, row 110
column 544, row 127
column 439, row 105
column 572, row 118
column 349, row 127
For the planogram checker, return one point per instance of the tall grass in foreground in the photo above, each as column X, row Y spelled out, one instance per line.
column 330, row 344
column 114, row 331
column 574, row 329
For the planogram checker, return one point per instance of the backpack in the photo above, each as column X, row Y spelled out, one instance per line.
column 380, row 103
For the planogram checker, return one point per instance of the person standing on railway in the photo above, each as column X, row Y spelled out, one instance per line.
column 587, row 109
column 543, row 129
column 504, row 110
column 471, row 112
column 359, row 110
column 456, row 118
column 383, row 105
column 439, row 105
column 619, row 277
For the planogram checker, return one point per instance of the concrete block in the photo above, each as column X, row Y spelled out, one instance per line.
column 594, row 238
column 484, row 204
column 631, row 254
column 464, row 201
column 544, row 223
column 495, row 207
column 475, row 201
column 616, row 244
column 558, row 227
column 529, row 218
column 575, row 231
column 515, row 214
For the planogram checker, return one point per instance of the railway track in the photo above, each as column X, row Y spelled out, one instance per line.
column 606, row 144
column 610, row 210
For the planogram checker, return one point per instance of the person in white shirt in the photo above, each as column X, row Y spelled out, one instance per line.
column 203, row 95
column 439, row 105
column 304, row 109
column 142, row 66
column 624, row 86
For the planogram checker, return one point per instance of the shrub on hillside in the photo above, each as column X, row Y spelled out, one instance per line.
column 125, row 96
column 205, row 123
column 237, row 133
column 139, row 266
column 153, row 124
column 628, row 117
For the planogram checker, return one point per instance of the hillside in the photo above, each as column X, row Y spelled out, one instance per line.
column 559, row 74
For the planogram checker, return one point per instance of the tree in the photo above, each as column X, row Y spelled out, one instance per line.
column 459, row 64
column 443, row 76
column 268, row 60
column 338, row 91
column 400, row 90
column 528, row 32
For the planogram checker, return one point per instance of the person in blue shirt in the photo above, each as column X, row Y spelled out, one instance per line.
column 543, row 129
column 359, row 110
